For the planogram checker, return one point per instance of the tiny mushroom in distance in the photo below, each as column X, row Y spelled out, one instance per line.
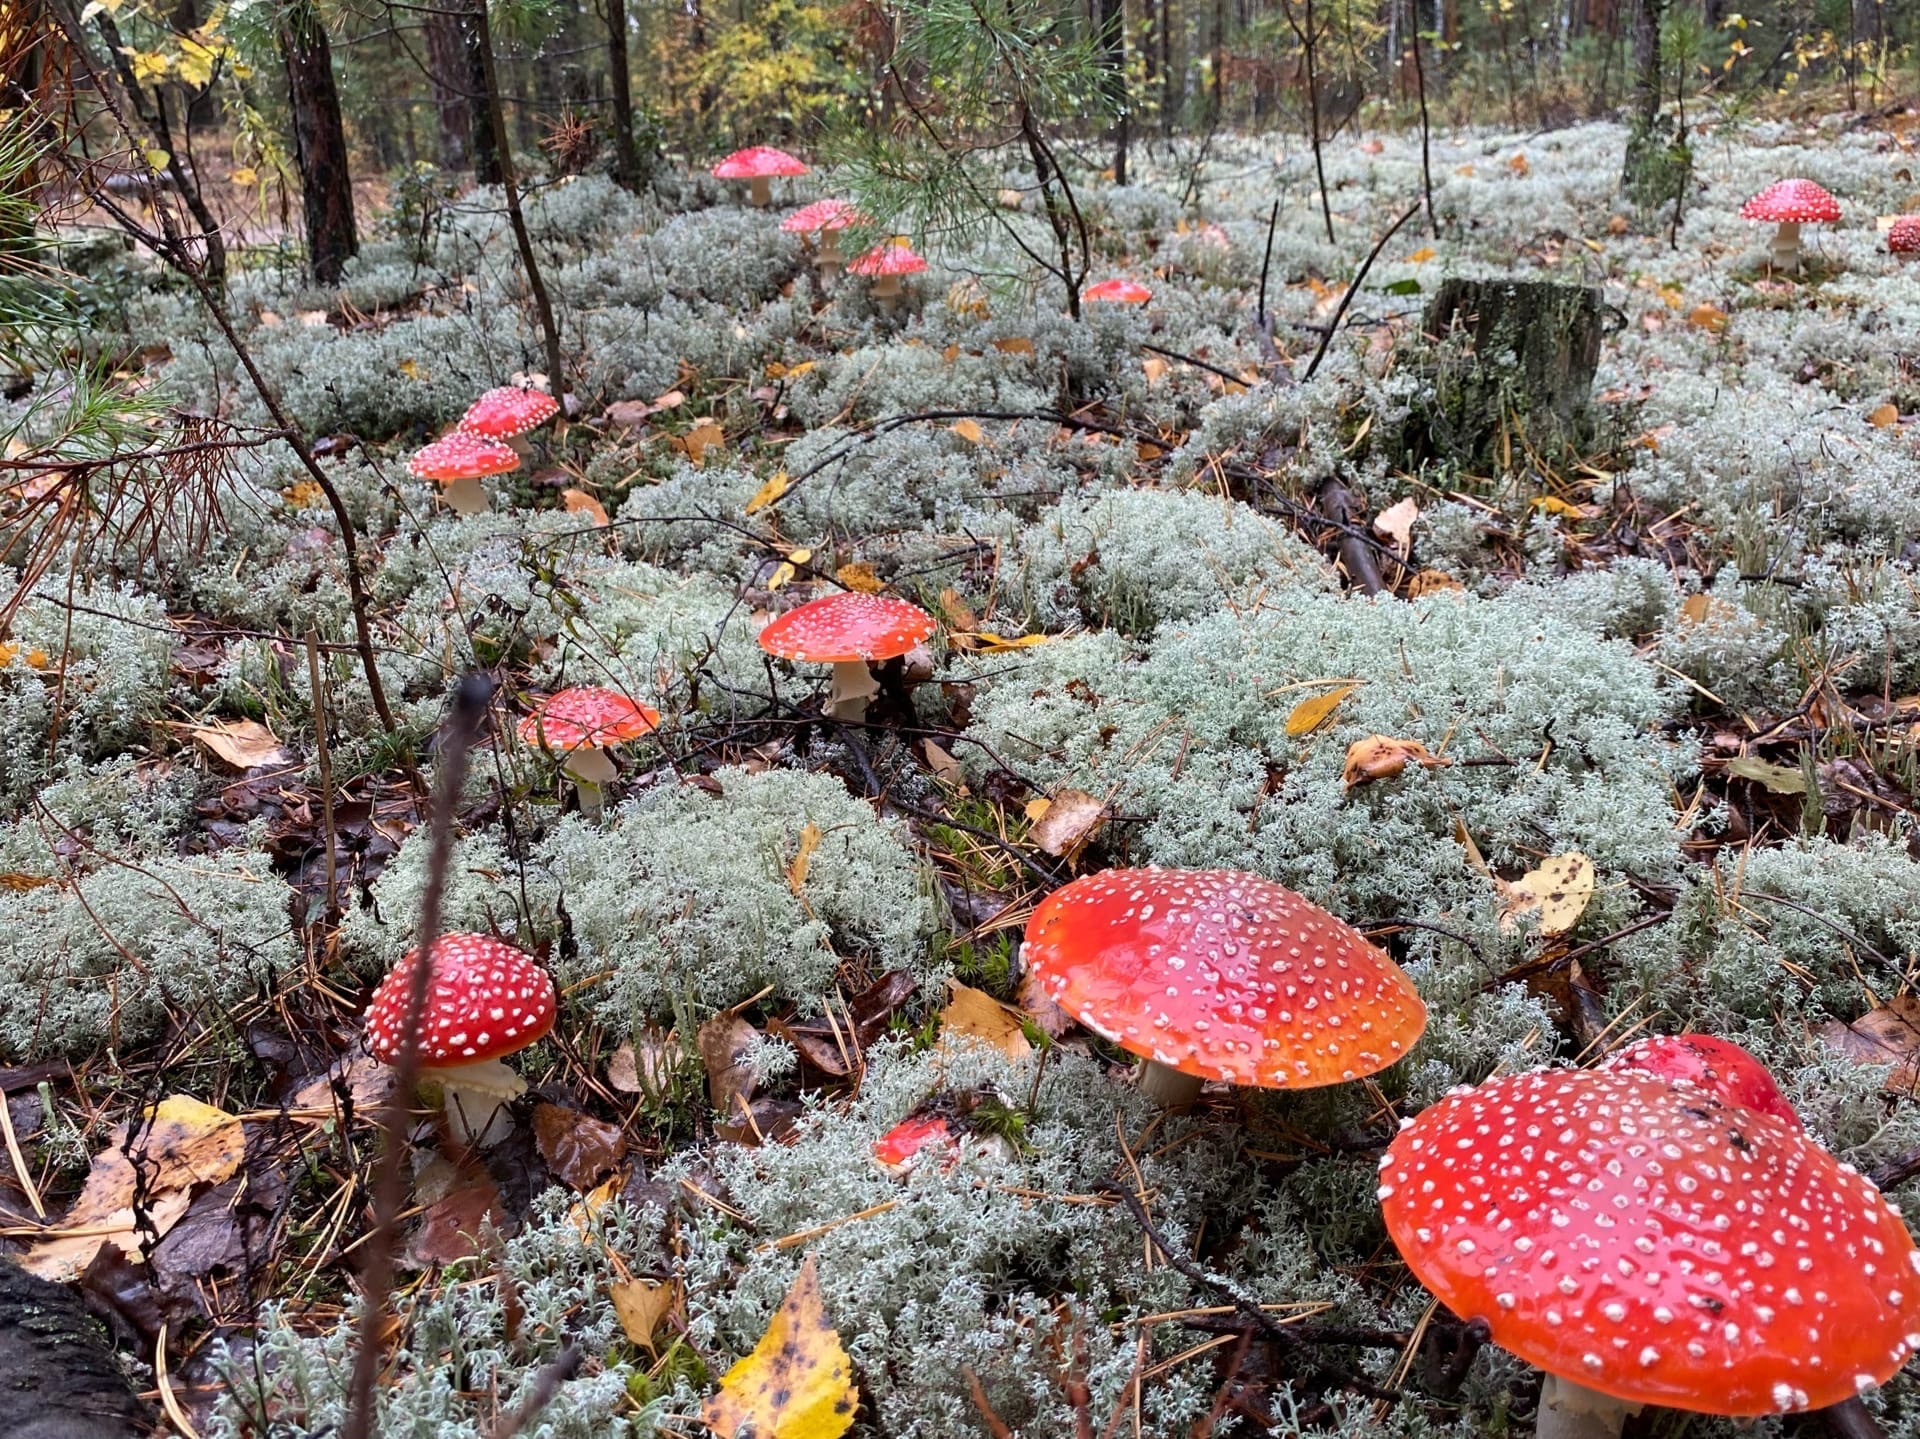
column 485, row 1001
column 1718, row 1066
column 757, row 164
column 1646, row 1242
column 847, row 631
column 1117, row 292
column 459, row 462
column 822, row 222
column 583, row 723
column 884, row 264
column 1903, row 237
column 507, row 413
column 1790, row 204
column 1213, row 974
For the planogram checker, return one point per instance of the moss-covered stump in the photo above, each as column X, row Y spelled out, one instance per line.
column 1511, row 370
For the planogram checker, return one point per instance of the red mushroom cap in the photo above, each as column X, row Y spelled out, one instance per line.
column 485, row 1000
column 892, row 257
column 587, row 717
column 1798, row 202
column 837, row 629
column 507, row 412
column 822, row 215
column 462, row 457
column 1222, row 975
column 1719, row 1066
column 1118, row 292
column 909, row 1140
column 1903, row 235
column 758, row 162
column 1653, row 1242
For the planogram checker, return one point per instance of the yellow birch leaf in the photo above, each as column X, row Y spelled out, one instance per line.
column 1559, row 890
column 803, row 859
column 968, row 430
column 705, row 436
column 797, row 1383
column 1422, row 255
column 860, row 576
column 642, row 1304
column 986, row 642
column 1884, row 417
column 770, row 492
column 1310, row 714
column 1554, row 505
column 149, row 65
column 973, row 1014
column 410, row 367
column 783, row 574
column 156, row 158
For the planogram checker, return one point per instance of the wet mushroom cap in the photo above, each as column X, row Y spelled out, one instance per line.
column 821, row 215
column 1652, row 1242
column 587, row 717
column 1222, row 975
column 758, row 162
column 1903, row 235
column 508, row 412
column 485, row 1000
column 462, row 457
column 838, row 629
column 890, row 258
column 1118, row 292
column 1718, row 1066
column 1798, row 202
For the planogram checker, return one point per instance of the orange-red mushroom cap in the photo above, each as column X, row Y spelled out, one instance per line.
column 508, row 412
column 838, row 629
column 822, row 215
column 1222, row 975
column 1799, row 202
column 758, row 162
column 1903, row 235
column 1117, row 292
column 1653, row 1242
column 485, row 1000
column 462, row 457
column 889, row 258
column 1718, row 1066
column 587, row 717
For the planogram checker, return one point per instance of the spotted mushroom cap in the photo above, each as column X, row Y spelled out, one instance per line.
column 836, row 629
column 508, row 412
column 485, row 1000
column 1718, row 1066
column 1653, row 1242
column 1222, row 975
column 1800, row 202
column 1118, row 292
column 821, row 215
column 892, row 257
column 757, row 162
column 462, row 457
column 1903, row 235
column 587, row 717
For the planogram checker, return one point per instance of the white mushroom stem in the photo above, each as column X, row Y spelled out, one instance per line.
column 475, row 1098
column 591, row 771
column 853, row 686
column 1167, row 1086
column 1573, row 1411
column 886, row 289
column 1786, row 246
column 829, row 252
column 759, row 192
column 466, row 497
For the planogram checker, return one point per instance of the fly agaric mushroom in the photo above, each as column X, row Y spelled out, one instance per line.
column 507, row 413
column 847, row 631
column 1790, row 204
column 884, row 264
column 1213, row 974
column 485, row 1001
column 756, row 165
column 1117, row 292
column 1645, row 1242
column 583, row 723
column 459, row 462
column 1719, row 1066
column 822, row 222
column 1903, row 237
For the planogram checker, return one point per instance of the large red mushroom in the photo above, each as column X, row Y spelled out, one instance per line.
column 758, row 164
column 582, row 724
column 848, row 631
column 1213, row 974
column 1790, row 204
column 1646, row 1242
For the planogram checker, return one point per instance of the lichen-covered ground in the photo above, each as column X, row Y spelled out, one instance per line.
column 1686, row 653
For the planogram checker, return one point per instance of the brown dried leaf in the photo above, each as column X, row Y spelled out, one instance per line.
column 580, row 1150
column 1887, row 1035
column 1068, row 822
column 579, row 502
column 1396, row 523
column 642, row 1305
column 724, row 1042
column 243, row 744
column 454, row 1228
column 1381, row 756
column 974, row 1014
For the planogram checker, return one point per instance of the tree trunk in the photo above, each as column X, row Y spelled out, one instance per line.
column 447, row 72
column 487, row 143
column 319, row 144
column 1113, row 58
column 203, row 111
column 627, row 169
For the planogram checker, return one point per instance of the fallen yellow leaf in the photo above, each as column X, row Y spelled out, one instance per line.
column 1884, row 417
column 579, row 502
column 1381, row 756
column 1068, row 822
column 1310, row 714
column 1396, row 523
column 803, row 858
column 968, row 430
column 769, row 493
column 642, row 1305
column 797, row 1383
column 705, row 436
column 1707, row 316
column 1422, row 255
column 986, row 642
column 974, row 1014
column 860, row 576
column 244, row 744
column 1559, row 890
column 1016, row 345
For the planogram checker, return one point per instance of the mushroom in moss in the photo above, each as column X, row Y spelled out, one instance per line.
column 1790, row 204
column 485, row 1000
column 1646, row 1242
column 508, row 412
column 1117, row 292
column 583, row 723
column 1214, row 974
column 1903, row 237
column 757, row 164
column 848, row 631
column 459, row 462
column 821, row 223
column 884, row 264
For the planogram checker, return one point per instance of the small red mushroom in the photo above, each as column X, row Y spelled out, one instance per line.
column 1213, row 974
column 583, row 723
column 848, row 631
column 1718, row 1066
column 757, row 164
column 884, row 264
column 1117, row 292
column 459, row 462
column 1645, row 1242
column 1903, row 237
column 1790, row 204
column 485, row 1001
column 507, row 413
column 822, row 221
column 913, row 1140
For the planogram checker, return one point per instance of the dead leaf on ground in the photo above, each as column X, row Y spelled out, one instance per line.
column 836, row 1046
column 724, row 1043
column 1780, row 778
column 243, row 744
column 580, row 1150
column 1380, row 756
column 1887, row 1035
column 797, row 1383
column 579, row 502
column 643, row 1306
column 1066, row 822
column 944, row 766
column 1048, row 1017
column 1559, row 889
column 860, row 576
column 454, row 1228
column 803, row 858
column 1310, row 714
column 1885, row 416
column 700, row 440
column 646, row 1065
column 968, row 430
column 776, row 485
column 1396, row 523
column 628, row 414
column 975, row 1014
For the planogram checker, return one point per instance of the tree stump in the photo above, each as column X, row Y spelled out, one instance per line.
column 61, row 1380
column 1511, row 371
